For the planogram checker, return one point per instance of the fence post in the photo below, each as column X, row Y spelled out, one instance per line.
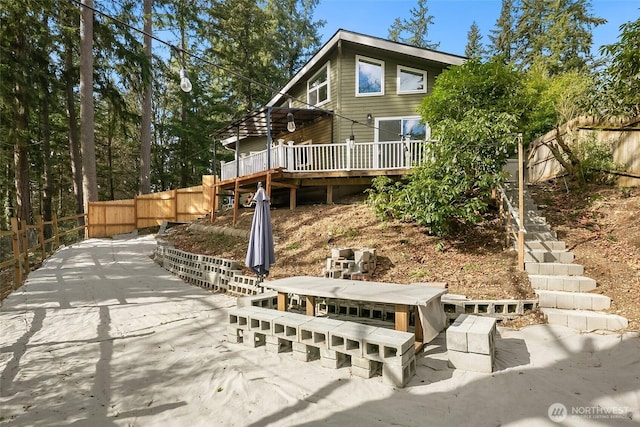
column 40, row 225
column 16, row 250
column 54, row 224
column 521, row 231
column 25, row 244
column 174, row 193
column 135, row 212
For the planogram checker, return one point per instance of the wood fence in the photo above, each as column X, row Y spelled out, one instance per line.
column 623, row 137
column 107, row 219
column 28, row 241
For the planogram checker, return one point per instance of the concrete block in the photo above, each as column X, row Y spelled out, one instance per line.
column 389, row 346
column 470, row 361
column 253, row 339
column 305, row 353
column 585, row 284
column 577, row 320
column 341, row 253
column 362, row 372
column 615, row 322
column 555, row 316
column 481, row 335
column 280, row 346
column 546, row 298
column 272, row 348
column 316, row 331
column 398, row 375
column 600, row 302
column 287, row 325
column 581, row 301
column 239, row 317
column 340, row 360
column 457, row 334
column 597, row 323
column 261, row 300
column 234, row 335
column 349, row 337
column 565, row 300
column 270, row 339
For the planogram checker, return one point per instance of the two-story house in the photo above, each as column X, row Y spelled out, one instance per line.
column 348, row 115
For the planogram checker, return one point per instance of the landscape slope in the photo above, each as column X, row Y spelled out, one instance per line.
column 601, row 225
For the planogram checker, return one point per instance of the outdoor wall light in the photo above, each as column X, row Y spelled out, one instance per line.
column 291, row 125
column 369, row 118
column 351, row 141
column 185, row 83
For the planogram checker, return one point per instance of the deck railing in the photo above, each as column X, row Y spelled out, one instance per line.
column 329, row 158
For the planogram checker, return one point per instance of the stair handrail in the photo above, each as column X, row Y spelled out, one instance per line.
column 519, row 236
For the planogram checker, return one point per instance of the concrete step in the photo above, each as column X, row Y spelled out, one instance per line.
column 583, row 320
column 534, row 228
column 562, row 283
column 546, row 235
column 544, row 245
column 553, row 269
column 572, row 300
column 536, row 255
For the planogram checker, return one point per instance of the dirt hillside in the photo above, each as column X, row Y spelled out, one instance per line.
column 601, row 225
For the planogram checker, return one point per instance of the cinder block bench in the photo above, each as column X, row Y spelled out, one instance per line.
column 369, row 350
column 470, row 343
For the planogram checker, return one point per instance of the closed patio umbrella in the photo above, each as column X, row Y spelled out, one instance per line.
column 260, row 253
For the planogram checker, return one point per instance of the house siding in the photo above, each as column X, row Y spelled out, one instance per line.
column 391, row 104
column 348, row 106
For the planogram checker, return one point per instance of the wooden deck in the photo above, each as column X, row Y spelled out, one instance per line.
column 280, row 178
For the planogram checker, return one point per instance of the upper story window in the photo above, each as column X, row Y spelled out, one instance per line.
column 318, row 87
column 411, row 80
column 369, row 77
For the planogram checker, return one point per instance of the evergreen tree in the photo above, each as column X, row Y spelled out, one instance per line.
column 415, row 30
column 556, row 34
column 474, row 48
column 502, row 37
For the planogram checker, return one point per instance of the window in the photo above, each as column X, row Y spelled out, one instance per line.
column 411, row 80
column 318, row 87
column 369, row 77
column 392, row 128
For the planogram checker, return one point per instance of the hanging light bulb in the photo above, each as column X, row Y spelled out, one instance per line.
column 351, row 141
column 185, row 83
column 291, row 125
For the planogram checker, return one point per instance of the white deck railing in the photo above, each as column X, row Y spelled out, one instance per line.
column 329, row 158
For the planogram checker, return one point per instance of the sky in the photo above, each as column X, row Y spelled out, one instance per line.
column 453, row 18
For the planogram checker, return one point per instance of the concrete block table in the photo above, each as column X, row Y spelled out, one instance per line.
column 424, row 300
column 470, row 343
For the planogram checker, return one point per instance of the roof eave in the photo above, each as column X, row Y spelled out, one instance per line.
column 445, row 59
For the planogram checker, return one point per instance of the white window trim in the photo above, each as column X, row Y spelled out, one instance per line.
column 376, row 134
column 374, row 61
column 328, row 84
column 413, row 70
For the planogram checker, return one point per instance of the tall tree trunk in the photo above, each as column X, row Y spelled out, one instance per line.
column 21, row 146
column 45, row 152
column 46, row 157
column 145, row 131
column 87, row 141
column 74, row 140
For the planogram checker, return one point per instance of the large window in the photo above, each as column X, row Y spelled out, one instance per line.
column 318, row 87
column 411, row 80
column 393, row 128
column 369, row 77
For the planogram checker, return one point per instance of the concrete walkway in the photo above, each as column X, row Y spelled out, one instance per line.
column 102, row 336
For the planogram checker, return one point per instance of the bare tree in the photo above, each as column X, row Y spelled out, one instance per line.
column 87, row 141
column 145, row 131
